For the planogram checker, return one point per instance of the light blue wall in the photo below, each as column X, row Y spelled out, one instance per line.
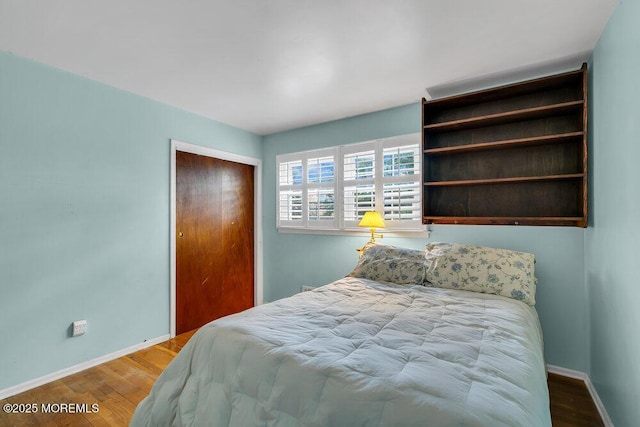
column 84, row 215
column 84, row 220
column 292, row 260
column 612, row 241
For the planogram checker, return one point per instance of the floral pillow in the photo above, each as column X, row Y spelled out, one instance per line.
column 386, row 263
column 482, row 269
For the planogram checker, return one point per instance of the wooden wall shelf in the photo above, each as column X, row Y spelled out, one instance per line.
column 515, row 154
column 504, row 180
column 509, row 116
column 539, row 140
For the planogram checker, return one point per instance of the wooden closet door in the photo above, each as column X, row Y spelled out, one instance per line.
column 214, row 241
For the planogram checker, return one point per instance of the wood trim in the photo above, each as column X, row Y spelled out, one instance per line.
column 258, row 242
column 578, row 375
column 585, row 143
column 492, row 220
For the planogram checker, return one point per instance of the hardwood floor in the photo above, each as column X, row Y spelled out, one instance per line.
column 571, row 403
column 118, row 386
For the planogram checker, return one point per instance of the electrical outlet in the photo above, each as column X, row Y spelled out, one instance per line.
column 79, row 328
column 306, row 288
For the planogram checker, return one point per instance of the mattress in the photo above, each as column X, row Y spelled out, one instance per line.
column 360, row 353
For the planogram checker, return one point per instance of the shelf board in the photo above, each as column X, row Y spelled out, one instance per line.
column 518, row 179
column 510, row 143
column 509, row 116
column 499, row 220
column 508, row 91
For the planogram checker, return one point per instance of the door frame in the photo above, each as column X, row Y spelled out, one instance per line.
column 257, row 218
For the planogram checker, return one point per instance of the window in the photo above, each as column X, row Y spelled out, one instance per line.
column 333, row 188
column 307, row 190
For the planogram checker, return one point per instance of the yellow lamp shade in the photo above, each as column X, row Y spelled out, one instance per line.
column 372, row 219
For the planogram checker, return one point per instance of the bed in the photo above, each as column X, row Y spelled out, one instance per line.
column 395, row 343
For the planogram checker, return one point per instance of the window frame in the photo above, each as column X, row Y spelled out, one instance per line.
column 339, row 225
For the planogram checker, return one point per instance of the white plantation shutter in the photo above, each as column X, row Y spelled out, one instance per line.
column 290, row 193
column 321, row 184
column 321, row 170
column 358, row 181
column 321, row 204
column 403, row 160
column 357, row 200
column 306, row 190
column 290, row 206
column 401, row 202
column 359, row 165
column 333, row 188
column 401, row 185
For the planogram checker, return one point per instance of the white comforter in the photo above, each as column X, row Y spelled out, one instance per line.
column 360, row 353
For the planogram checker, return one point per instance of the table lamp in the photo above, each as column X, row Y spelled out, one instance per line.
column 373, row 220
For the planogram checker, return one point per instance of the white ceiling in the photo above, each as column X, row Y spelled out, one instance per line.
column 272, row 65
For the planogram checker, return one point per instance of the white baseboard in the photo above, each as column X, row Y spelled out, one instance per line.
column 19, row 388
column 592, row 390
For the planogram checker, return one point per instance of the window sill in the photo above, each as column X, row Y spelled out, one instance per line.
column 420, row 233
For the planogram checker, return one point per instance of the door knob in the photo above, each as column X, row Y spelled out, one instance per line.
column 180, row 235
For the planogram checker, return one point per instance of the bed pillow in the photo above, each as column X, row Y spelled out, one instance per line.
column 386, row 263
column 481, row 269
